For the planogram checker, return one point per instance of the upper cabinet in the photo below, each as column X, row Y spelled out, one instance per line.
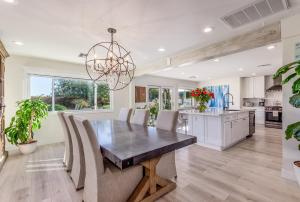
column 253, row 87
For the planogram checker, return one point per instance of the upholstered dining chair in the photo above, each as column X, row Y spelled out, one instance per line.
column 166, row 167
column 78, row 167
column 68, row 155
column 104, row 181
column 140, row 117
column 125, row 114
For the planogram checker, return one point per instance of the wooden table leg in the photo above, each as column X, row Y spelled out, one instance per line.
column 151, row 187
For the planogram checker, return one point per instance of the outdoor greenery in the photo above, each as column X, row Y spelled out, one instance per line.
column 293, row 130
column 166, row 99
column 76, row 94
column 28, row 118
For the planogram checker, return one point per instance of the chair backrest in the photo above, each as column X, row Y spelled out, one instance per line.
column 167, row 120
column 68, row 158
column 140, row 117
column 92, row 154
column 78, row 168
column 125, row 114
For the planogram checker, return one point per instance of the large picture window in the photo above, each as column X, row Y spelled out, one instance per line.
column 70, row 94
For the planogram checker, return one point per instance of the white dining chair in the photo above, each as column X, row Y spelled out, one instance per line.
column 166, row 167
column 68, row 155
column 78, row 167
column 104, row 181
column 140, row 117
column 125, row 114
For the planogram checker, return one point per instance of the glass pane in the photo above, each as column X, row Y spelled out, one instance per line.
column 166, row 98
column 153, row 94
column 103, row 96
column 71, row 94
column 184, row 98
column 41, row 87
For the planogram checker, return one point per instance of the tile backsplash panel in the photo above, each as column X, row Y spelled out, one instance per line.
column 273, row 98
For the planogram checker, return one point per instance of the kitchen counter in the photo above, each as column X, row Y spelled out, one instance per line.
column 215, row 112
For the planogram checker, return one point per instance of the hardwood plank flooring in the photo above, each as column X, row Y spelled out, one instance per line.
column 250, row 171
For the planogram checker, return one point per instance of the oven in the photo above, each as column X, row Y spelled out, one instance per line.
column 273, row 117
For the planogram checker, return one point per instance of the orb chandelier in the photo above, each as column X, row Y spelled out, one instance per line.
column 110, row 62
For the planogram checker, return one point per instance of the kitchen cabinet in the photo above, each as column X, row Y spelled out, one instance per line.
column 218, row 130
column 259, row 114
column 253, row 87
column 199, row 131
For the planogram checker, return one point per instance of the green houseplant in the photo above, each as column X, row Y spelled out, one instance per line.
column 292, row 130
column 28, row 118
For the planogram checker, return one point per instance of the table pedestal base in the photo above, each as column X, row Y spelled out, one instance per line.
column 151, row 187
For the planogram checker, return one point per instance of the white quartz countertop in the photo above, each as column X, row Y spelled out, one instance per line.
column 214, row 112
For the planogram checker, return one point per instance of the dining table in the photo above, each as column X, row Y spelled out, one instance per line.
column 126, row 145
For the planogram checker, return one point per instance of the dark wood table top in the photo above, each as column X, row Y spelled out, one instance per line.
column 127, row 144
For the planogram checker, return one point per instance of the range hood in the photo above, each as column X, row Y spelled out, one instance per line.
column 273, row 84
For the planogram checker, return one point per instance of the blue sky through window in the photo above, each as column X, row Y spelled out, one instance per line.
column 40, row 86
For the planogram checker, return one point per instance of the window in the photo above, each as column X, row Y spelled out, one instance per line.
column 70, row 94
column 184, row 98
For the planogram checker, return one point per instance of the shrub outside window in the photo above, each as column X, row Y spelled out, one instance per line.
column 70, row 94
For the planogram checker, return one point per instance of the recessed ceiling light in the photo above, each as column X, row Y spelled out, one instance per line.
column 18, row 43
column 9, row 1
column 182, row 73
column 161, row 50
column 216, row 59
column 270, row 47
column 207, row 29
column 240, row 69
column 253, row 74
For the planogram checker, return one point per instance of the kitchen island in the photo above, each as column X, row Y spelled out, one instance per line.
column 217, row 129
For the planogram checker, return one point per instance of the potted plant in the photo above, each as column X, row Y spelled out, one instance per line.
column 28, row 118
column 293, row 130
column 202, row 96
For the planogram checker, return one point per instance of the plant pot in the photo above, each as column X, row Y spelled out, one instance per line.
column 28, row 148
column 296, row 165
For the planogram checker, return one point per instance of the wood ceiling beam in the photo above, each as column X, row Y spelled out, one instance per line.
column 257, row 38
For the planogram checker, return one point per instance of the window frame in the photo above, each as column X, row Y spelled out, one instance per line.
column 96, row 109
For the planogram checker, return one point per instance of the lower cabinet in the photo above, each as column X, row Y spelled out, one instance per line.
column 218, row 132
column 199, row 130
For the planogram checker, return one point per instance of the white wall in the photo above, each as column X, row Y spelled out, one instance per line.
column 148, row 80
column 234, row 88
column 290, row 28
column 16, row 88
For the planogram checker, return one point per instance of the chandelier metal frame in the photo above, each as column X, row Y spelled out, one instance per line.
column 116, row 67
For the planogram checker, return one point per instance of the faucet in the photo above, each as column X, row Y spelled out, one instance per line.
column 228, row 102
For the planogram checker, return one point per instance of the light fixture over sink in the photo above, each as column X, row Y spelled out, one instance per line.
column 110, row 62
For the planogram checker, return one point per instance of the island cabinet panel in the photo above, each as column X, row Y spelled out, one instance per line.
column 227, row 133
column 213, row 134
column 199, row 128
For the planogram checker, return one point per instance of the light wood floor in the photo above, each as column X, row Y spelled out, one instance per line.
column 250, row 171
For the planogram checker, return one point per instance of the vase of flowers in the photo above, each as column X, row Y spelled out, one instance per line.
column 202, row 96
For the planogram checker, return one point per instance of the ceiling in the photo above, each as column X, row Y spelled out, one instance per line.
column 60, row 30
column 254, row 62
